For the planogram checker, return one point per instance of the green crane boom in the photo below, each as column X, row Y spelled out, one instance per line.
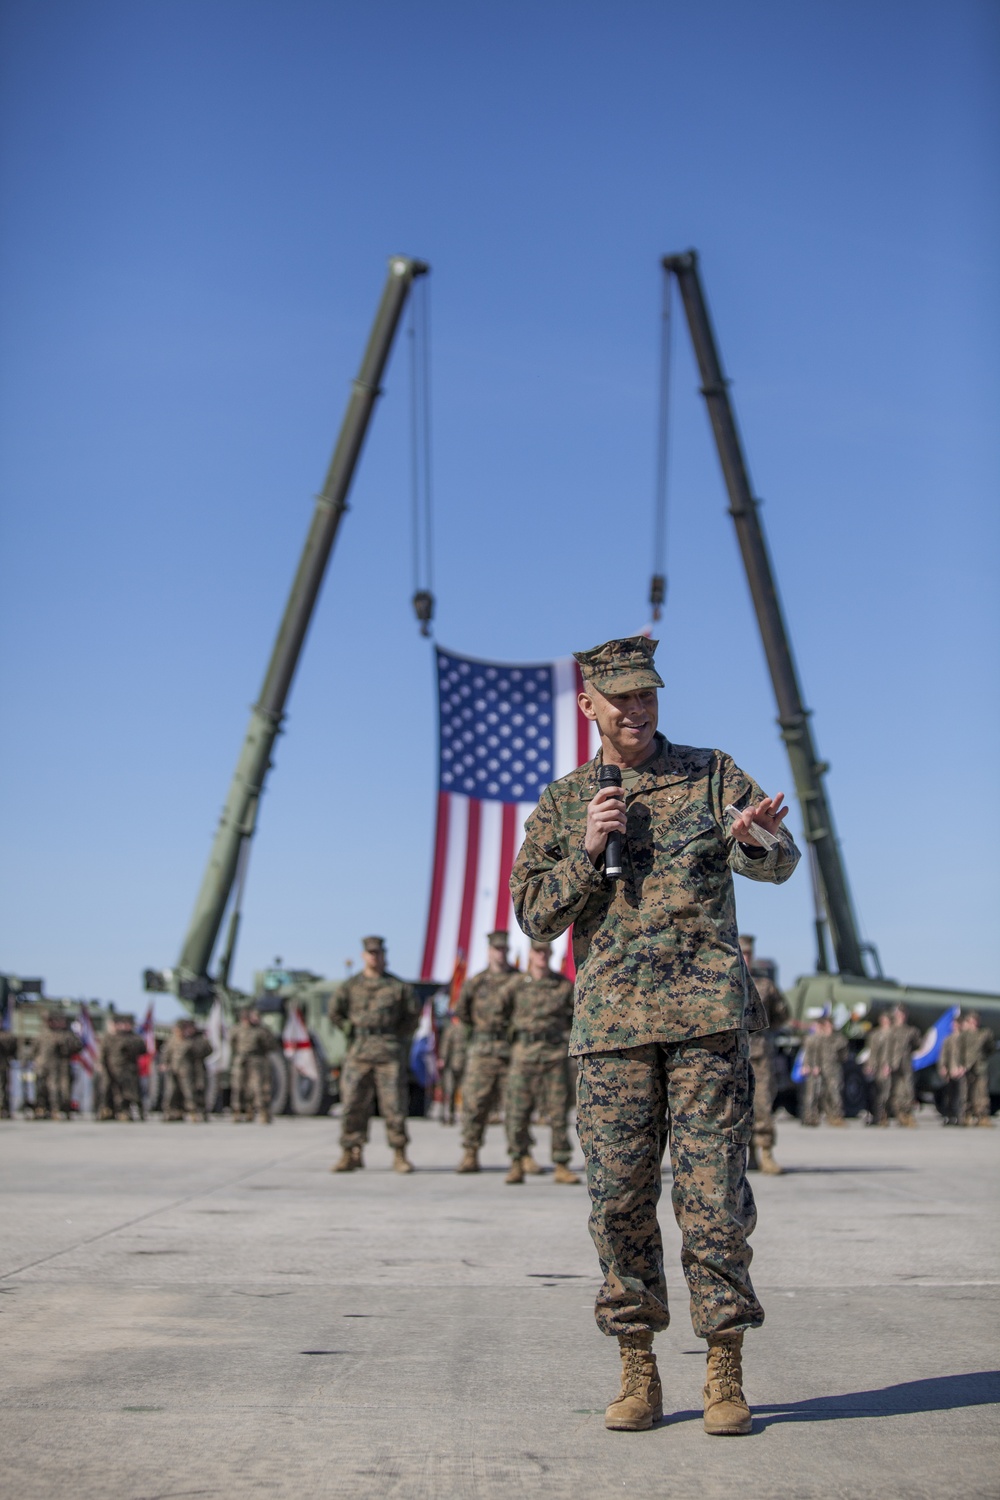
column 807, row 769
column 240, row 812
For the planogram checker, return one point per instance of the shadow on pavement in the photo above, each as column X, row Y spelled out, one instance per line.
column 801, row 1171
column 939, row 1393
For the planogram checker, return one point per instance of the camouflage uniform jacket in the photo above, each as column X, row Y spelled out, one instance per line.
column 542, row 1013
column 878, row 1050
column 452, row 1046
column 812, row 1052
column 251, row 1039
column 381, row 1008
column 833, row 1050
column 901, row 1043
column 774, row 1003
column 951, row 1054
column 49, row 1047
column 657, row 956
column 485, row 1005
column 120, row 1052
column 976, row 1048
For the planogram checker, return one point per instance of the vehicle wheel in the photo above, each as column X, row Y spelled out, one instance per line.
column 279, row 1083
column 855, row 1091
column 310, row 1096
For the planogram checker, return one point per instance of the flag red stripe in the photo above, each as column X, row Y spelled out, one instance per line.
column 568, row 966
column 508, row 836
column 437, row 885
column 582, row 724
column 471, row 875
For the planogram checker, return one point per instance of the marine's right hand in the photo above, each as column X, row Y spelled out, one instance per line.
column 605, row 815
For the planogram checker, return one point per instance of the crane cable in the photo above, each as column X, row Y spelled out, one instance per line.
column 420, row 455
column 658, row 582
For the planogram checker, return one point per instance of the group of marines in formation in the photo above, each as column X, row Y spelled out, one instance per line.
column 505, row 1046
column 181, row 1062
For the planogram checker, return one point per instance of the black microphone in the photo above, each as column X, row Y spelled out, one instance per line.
column 611, row 776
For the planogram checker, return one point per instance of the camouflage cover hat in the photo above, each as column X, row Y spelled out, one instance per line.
column 498, row 939
column 622, row 666
column 373, row 944
column 539, row 947
column 122, row 1019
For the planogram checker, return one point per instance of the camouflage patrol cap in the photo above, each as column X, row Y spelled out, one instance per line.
column 623, row 666
column 373, row 944
column 539, row 947
column 122, row 1019
column 498, row 939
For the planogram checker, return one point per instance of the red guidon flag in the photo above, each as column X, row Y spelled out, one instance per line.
column 298, row 1047
column 505, row 732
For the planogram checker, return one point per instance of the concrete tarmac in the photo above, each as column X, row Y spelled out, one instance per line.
column 204, row 1311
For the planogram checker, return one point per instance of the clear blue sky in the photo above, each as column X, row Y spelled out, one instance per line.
column 199, row 199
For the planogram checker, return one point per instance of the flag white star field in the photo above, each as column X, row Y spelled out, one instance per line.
column 505, row 732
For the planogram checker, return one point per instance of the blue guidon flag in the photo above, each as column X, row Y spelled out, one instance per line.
column 930, row 1048
column 505, row 732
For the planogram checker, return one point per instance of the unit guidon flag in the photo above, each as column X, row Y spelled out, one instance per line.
column 505, row 732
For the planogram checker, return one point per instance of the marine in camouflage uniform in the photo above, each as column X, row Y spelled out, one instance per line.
column 8, row 1054
column 185, row 1055
column 977, row 1049
column 538, row 1078
column 951, row 1068
column 484, row 1008
column 52, row 1054
column 902, row 1042
column 453, row 1046
column 379, row 1013
column 121, row 1088
column 879, row 1069
column 761, row 1155
column 251, row 1045
column 664, row 1004
column 825, row 1052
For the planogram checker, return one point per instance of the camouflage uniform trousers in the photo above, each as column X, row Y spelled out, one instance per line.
column 122, row 1090
column 881, row 1089
column 374, row 1067
column 978, row 1107
column 902, row 1092
column 623, row 1102
column 824, row 1094
column 186, row 1087
column 538, row 1080
column 762, row 1063
column 250, row 1085
column 451, row 1088
column 485, row 1073
column 53, row 1087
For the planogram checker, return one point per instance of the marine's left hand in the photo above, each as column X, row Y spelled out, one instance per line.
column 769, row 813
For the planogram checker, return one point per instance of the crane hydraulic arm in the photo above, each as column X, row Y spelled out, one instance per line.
column 807, row 769
column 239, row 815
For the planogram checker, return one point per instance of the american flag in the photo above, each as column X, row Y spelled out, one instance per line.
column 84, row 1028
column 505, row 732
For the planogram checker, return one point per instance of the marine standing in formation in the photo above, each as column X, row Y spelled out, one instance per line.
column 664, row 1005
column 183, row 1059
column 951, row 1068
column 379, row 1014
column 541, row 1016
column 453, row 1046
column 761, row 1156
column 903, row 1041
column 121, row 1086
column 52, row 1054
column 977, row 1046
column 879, row 1069
column 823, row 1064
column 251, row 1045
column 484, row 1007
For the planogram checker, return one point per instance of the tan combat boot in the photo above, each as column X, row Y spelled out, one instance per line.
column 768, row 1165
column 836, row 1120
column 516, row 1173
column 726, row 1410
column 986, row 1123
column 907, row 1120
column 399, row 1161
column 563, row 1174
column 640, row 1400
column 349, row 1161
column 263, row 1117
column 469, row 1162
column 530, row 1165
